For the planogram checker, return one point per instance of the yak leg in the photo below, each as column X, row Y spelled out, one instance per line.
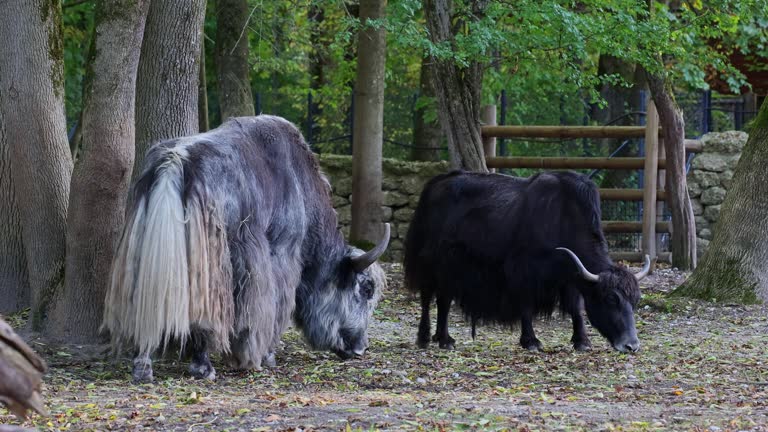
column 579, row 339
column 200, row 366
column 528, row 338
column 441, row 335
column 285, row 281
column 142, row 368
column 422, row 340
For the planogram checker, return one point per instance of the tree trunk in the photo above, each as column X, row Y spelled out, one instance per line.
column 368, row 133
column 279, row 41
column 167, row 81
column 457, row 88
column 32, row 108
column 318, row 61
column 671, row 120
column 618, row 98
column 14, row 280
column 202, row 95
column 619, row 102
column 232, row 69
column 102, row 175
column 735, row 266
column 426, row 134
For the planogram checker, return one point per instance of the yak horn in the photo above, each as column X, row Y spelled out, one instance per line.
column 646, row 268
column 360, row 263
column 584, row 272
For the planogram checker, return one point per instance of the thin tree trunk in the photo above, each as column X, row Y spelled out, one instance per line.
column 735, row 266
column 368, row 133
column 619, row 102
column 232, row 69
column 426, row 134
column 167, row 81
column 671, row 120
column 457, row 88
column 14, row 280
column 318, row 61
column 278, row 48
column 618, row 97
column 32, row 107
column 101, row 177
column 202, row 95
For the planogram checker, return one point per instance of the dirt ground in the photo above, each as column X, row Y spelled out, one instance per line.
column 702, row 367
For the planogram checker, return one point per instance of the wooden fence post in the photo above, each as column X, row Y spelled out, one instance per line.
column 661, row 183
column 650, row 182
column 488, row 118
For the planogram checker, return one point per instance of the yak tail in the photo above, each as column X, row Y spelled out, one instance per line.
column 161, row 270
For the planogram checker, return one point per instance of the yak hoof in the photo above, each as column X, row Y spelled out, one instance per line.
column 202, row 371
column 582, row 346
column 533, row 345
column 422, row 339
column 269, row 360
column 448, row 343
column 142, row 373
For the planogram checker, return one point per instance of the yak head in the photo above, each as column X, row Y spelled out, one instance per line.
column 610, row 299
column 335, row 316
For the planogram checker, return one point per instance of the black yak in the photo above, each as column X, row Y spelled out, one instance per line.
column 229, row 234
column 507, row 249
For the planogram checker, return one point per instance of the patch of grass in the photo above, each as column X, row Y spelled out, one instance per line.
column 17, row 320
column 661, row 302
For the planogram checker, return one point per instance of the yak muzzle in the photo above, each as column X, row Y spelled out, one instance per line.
column 627, row 344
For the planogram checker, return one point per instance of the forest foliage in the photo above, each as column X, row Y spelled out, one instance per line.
column 544, row 55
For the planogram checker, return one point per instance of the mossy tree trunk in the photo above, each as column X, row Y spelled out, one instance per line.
column 232, row 69
column 32, row 109
column 426, row 133
column 202, row 95
column 368, row 133
column 14, row 281
column 103, row 172
column 683, row 242
column 169, row 70
column 735, row 266
column 457, row 87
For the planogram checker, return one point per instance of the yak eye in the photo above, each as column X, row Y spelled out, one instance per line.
column 366, row 287
column 614, row 300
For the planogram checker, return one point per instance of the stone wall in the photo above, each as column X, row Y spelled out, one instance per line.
column 402, row 184
column 708, row 182
column 709, row 179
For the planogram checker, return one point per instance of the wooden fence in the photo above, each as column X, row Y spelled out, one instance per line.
column 652, row 164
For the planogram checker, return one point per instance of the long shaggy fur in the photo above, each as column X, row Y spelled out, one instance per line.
column 489, row 242
column 171, row 268
column 222, row 230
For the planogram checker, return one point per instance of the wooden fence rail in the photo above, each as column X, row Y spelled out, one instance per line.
column 651, row 164
column 564, row 131
column 616, row 194
column 633, row 227
column 627, row 163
